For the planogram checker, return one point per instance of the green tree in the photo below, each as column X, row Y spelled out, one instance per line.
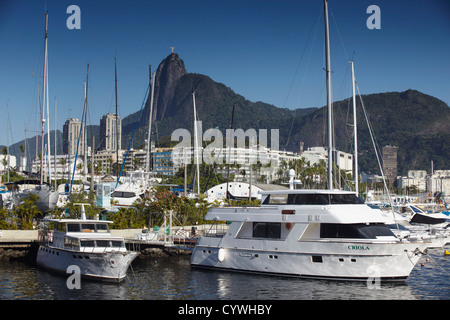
column 6, row 222
column 27, row 211
column 74, row 210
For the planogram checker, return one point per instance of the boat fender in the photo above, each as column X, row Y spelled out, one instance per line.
column 288, row 226
column 447, row 253
column 221, row 254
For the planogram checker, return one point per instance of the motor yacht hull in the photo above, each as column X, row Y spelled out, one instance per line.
column 104, row 266
column 323, row 260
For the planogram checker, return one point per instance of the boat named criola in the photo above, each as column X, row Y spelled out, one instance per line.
column 307, row 233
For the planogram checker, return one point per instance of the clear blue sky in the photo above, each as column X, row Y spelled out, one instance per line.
column 252, row 46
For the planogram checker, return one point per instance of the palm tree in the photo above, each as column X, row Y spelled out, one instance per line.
column 22, row 150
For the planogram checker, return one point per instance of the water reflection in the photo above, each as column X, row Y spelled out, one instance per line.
column 242, row 286
column 172, row 278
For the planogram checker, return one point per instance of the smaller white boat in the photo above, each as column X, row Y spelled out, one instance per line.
column 46, row 197
column 85, row 243
column 134, row 187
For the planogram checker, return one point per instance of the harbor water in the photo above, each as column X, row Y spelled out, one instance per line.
column 173, row 278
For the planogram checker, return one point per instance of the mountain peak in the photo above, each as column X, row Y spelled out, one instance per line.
column 170, row 70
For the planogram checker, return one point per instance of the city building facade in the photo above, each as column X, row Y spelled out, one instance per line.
column 71, row 131
column 110, row 132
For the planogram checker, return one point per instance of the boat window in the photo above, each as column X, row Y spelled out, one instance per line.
column 303, row 198
column 313, row 199
column 73, row 227
column 270, row 230
column 345, row 199
column 129, row 194
column 87, row 227
column 276, row 199
column 102, row 227
column 71, row 243
column 102, row 243
column 87, row 243
column 117, row 244
column 354, row 231
column 123, row 194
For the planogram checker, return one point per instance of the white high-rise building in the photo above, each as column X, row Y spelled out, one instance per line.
column 110, row 132
column 71, row 131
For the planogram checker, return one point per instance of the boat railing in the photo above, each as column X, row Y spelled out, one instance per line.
column 216, row 230
column 100, row 249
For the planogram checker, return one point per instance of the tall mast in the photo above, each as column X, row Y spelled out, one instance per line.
column 37, row 128
column 85, row 124
column 229, row 154
column 117, row 119
column 43, row 101
column 48, row 132
column 54, row 158
column 196, row 144
column 7, row 138
column 330, row 111
column 25, row 166
column 150, row 119
column 354, row 130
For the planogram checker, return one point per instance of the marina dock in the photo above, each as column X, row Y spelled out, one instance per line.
column 16, row 244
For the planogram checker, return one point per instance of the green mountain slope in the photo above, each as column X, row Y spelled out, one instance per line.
column 417, row 123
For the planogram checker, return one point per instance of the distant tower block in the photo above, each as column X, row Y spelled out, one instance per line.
column 171, row 48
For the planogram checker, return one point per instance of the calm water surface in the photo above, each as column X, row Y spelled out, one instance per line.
column 172, row 278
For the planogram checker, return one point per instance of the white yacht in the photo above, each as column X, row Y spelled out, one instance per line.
column 136, row 184
column 85, row 243
column 307, row 233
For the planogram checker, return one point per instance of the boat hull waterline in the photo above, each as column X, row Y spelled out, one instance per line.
column 335, row 263
column 104, row 266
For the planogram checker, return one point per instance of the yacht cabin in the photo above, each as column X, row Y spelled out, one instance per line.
column 81, row 236
column 322, row 214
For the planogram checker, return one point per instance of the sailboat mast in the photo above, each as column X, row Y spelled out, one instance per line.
column 355, row 130
column 229, row 154
column 85, row 124
column 117, row 119
column 37, row 131
column 150, row 119
column 330, row 112
column 196, row 144
column 47, row 158
column 54, row 158
column 43, row 102
column 7, row 138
